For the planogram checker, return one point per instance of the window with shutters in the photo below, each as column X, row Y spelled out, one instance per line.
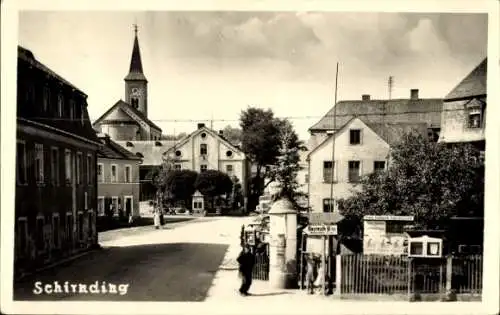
column 114, row 178
column 128, row 175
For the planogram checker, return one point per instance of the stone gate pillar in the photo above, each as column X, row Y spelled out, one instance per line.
column 283, row 245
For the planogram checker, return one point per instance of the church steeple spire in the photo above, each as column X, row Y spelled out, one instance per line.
column 135, row 70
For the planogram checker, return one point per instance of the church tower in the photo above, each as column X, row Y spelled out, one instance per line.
column 136, row 84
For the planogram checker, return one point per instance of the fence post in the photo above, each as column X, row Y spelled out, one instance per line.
column 449, row 272
column 338, row 275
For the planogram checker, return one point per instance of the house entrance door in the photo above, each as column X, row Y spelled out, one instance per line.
column 128, row 206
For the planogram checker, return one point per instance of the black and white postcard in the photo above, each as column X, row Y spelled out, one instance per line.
column 250, row 157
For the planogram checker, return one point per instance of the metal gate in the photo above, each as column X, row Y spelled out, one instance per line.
column 261, row 267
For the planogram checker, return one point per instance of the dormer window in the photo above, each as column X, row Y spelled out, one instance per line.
column 139, row 154
column 129, row 144
column 158, row 143
column 475, row 113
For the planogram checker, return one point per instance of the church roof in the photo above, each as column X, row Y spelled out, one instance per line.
column 152, row 152
column 473, row 85
column 112, row 150
column 121, row 103
column 135, row 71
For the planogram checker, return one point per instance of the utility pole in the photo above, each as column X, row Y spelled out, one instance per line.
column 390, row 84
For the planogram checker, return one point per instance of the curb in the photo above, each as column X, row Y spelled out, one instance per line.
column 57, row 263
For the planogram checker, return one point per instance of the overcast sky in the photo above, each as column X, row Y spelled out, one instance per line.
column 214, row 64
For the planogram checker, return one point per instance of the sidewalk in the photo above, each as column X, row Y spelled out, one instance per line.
column 227, row 282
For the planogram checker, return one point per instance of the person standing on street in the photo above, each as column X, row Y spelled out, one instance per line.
column 246, row 260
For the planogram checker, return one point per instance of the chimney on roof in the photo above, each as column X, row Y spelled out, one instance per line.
column 201, row 125
column 365, row 97
column 414, row 94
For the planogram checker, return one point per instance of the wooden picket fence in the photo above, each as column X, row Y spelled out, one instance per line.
column 261, row 268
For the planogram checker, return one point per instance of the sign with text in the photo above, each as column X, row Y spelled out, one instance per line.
column 388, row 217
column 322, row 229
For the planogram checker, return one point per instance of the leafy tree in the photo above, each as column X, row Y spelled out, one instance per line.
column 288, row 162
column 428, row 180
column 213, row 183
column 261, row 144
column 233, row 135
column 180, row 184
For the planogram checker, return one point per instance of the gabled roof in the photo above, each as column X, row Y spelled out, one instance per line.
column 381, row 111
column 210, row 131
column 152, row 152
column 473, row 85
column 121, row 103
column 29, row 57
column 112, row 150
column 391, row 133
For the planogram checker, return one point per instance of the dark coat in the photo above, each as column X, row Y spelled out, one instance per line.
column 246, row 261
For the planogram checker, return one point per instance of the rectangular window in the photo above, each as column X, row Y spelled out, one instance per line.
column 89, row 169
column 22, row 235
column 100, row 172
column 60, row 105
column 203, row 168
column 55, row 229
column 203, row 149
column 354, row 167
column 68, row 165
column 127, row 174
column 100, row 206
column 46, row 99
column 54, row 166
column 328, row 173
column 69, row 227
column 21, row 166
column 91, row 224
column 79, row 168
column 177, row 167
column 328, row 205
column 39, row 237
column 113, row 173
column 86, row 200
column 354, row 136
column 39, row 163
column 229, row 169
column 80, row 226
column 306, row 178
column 114, row 203
column 378, row 166
column 475, row 118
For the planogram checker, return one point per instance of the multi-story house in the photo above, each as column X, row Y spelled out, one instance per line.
column 464, row 110
column 205, row 149
column 363, row 134
column 117, row 179
column 56, row 158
